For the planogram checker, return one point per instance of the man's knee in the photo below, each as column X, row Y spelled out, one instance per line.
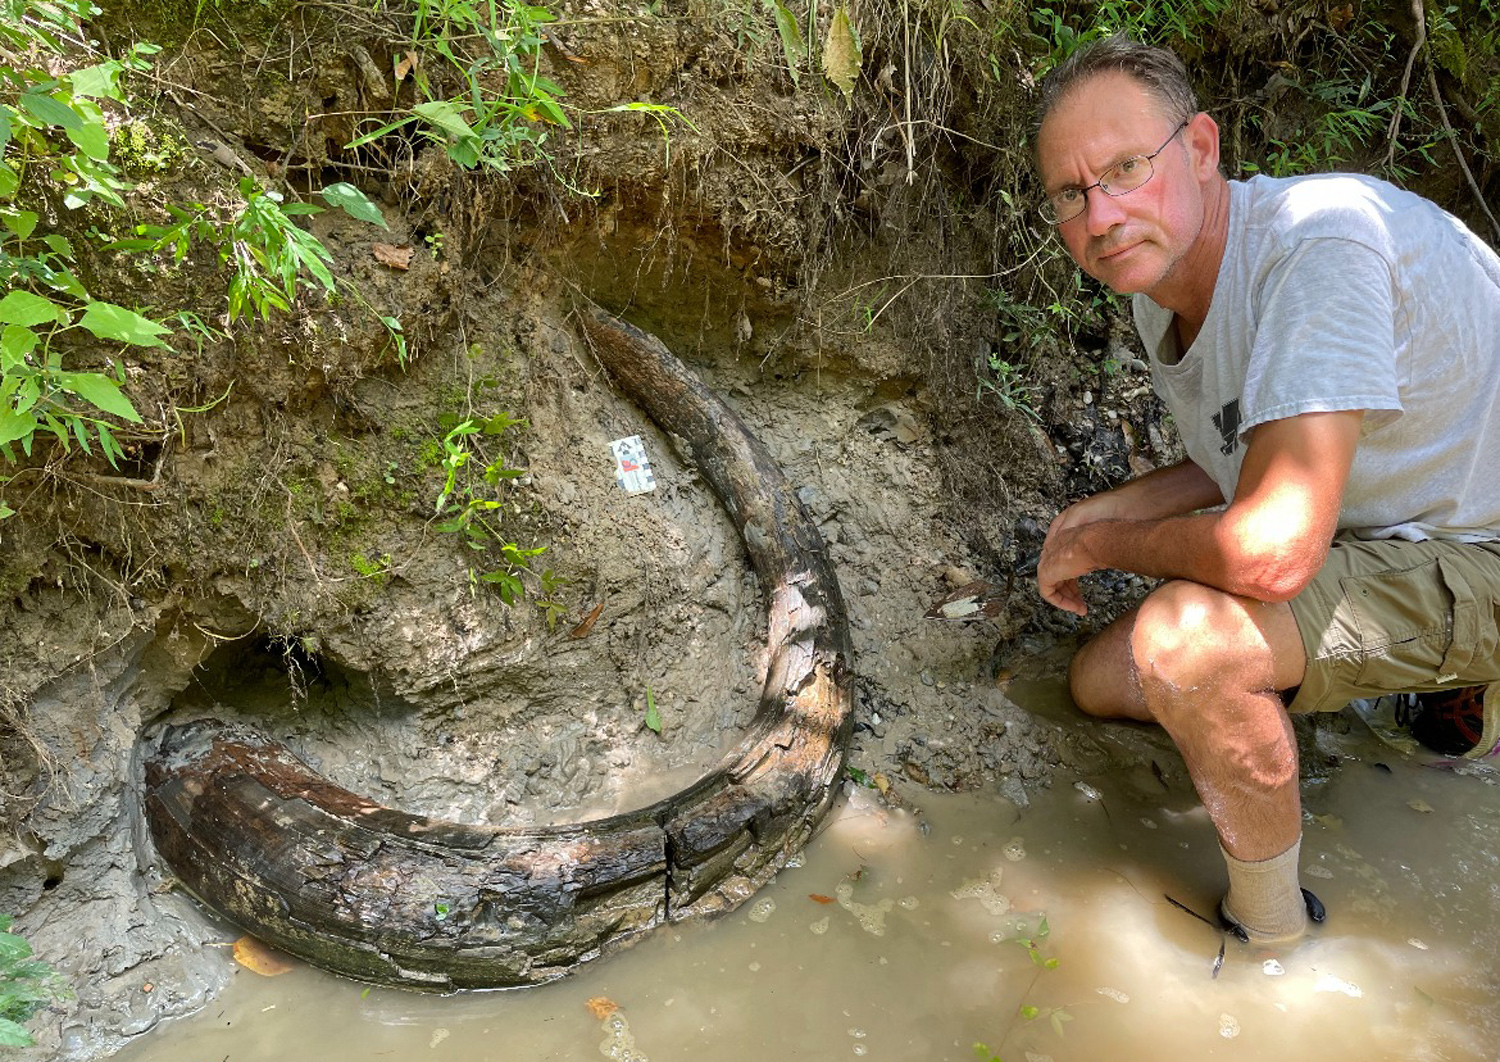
column 1189, row 636
column 1102, row 679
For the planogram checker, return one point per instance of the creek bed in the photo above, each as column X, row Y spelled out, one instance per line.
column 903, row 936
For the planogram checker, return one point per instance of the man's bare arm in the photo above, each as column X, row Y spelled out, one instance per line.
column 1266, row 544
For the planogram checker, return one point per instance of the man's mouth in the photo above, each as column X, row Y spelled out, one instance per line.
column 1115, row 251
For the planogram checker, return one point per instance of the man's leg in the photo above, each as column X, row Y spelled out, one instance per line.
column 1208, row 666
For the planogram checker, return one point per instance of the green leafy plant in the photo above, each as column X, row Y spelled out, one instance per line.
column 984, row 1054
column 26, row 985
column 1031, row 938
column 54, row 148
column 1007, row 383
column 266, row 251
column 496, row 128
column 470, row 504
column 55, row 159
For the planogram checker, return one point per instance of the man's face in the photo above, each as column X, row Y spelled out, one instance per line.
column 1130, row 242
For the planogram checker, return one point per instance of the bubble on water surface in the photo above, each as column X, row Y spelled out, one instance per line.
column 871, row 916
column 1316, row 871
column 1015, row 849
column 618, row 1043
column 1229, row 1026
column 762, row 910
column 987, row 892
column 1113, row 993
column 1272, row 968
column 820, row 926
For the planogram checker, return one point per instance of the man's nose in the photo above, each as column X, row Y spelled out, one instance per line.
column 1102, row 211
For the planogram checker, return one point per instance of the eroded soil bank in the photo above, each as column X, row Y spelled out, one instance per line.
column 842, row 270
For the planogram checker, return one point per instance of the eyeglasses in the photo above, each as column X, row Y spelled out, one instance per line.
column 1123, row 178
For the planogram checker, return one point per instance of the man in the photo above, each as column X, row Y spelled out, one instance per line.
column 1329, row 347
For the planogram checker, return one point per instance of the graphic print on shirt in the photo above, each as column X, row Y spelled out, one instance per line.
column 1227, row 421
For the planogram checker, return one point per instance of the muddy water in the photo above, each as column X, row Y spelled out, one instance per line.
column 914, row 935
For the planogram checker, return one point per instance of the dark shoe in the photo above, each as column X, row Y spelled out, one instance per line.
column 1316, row 913
column 1449, row 722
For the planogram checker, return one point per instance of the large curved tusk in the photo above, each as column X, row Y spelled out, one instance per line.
column 386, row 896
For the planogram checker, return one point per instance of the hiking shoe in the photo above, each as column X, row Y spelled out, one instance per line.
column 1449, row 722
column 1316, row 913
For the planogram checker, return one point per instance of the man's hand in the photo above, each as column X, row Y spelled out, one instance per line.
column 1266, row 544
column 1181, row 488
column 1063, row 560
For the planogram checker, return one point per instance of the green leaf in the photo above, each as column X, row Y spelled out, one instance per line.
column 81, row 433
column 9, row 181
column 791, row 39
column 20, row 222
column 64, row 280
column 15, row 426
column 49, row 111
column 13, row 1035
column 465, row 152
column 841, row 52
column 112, row 449
column 653, row 717
column 108, row 321
column 353, row 202
column 15, row 343
column 101, row 81
column 92, row 139
column 447, row 116
column 100, row 390
column 25, row 309
column 552, row 112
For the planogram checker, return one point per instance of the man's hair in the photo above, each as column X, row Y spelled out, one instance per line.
column 1157, row 70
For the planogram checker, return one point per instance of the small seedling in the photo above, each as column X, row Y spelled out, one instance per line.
column 653, row 717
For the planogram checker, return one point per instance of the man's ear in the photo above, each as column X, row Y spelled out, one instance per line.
column 1202, row 139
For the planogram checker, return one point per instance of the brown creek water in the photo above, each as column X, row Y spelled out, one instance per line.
column 914, row 935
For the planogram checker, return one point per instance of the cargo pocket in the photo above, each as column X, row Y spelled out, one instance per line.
column 1473, row 655
column 1402, row 623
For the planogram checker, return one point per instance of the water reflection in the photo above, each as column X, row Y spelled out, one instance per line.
column 1043, row 933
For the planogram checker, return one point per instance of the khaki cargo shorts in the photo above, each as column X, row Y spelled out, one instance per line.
column 1402, row 617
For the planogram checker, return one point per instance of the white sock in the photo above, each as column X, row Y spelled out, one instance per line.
column 1265, row 896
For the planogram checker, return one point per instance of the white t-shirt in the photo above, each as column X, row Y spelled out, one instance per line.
column 1342, row 292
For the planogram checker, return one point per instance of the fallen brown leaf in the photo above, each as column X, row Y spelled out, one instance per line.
column 391, row 255
column 404, row 67
column 259, row 957
column 602, row 1007
column 818, row 897
column 588, row 622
